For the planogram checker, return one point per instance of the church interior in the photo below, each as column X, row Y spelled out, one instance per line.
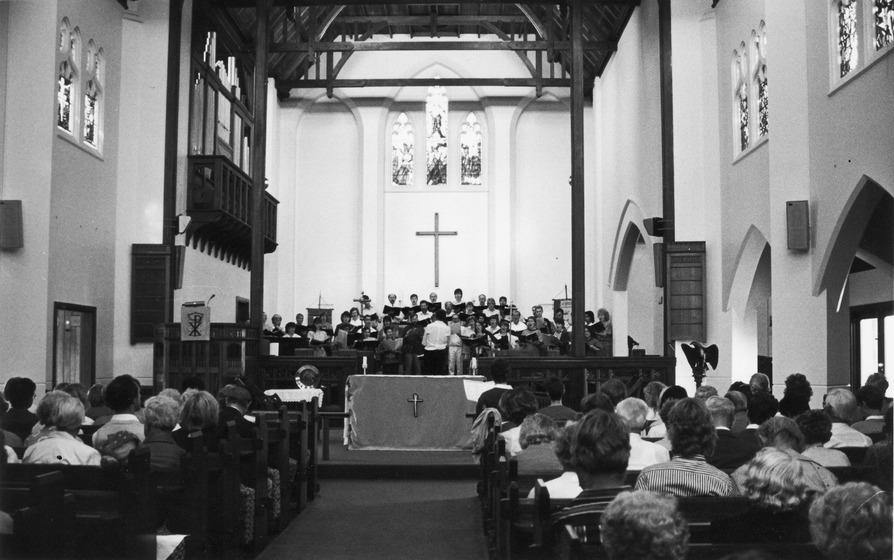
column 261, row 157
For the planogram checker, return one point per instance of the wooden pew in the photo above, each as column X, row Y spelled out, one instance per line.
column 43, row 516
column 113, row 509
column 251, row 453
column 209, row 501
column 278, row 455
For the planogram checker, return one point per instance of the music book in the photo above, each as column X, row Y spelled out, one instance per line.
column 533, row 337
column 473, row 342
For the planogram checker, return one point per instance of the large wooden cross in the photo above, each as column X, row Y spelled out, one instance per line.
column 437, row 233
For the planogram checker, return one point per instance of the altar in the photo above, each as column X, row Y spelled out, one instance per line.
column 411, row 412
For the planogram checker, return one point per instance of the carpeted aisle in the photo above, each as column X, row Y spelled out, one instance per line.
column 386, row 519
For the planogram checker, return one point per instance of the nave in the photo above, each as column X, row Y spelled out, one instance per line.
column 378, row 518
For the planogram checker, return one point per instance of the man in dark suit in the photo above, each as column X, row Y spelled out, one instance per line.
column 761, row 407
column 499, row 372
column 731, row 451
column 235, row 401
column 555, row 388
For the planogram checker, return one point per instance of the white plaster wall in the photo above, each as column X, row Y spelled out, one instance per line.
column 25, row 334
column 409, row 259
column 328, row 231
column 627, row 118
column 205, row 276
column 140, row 191
column 541, row 228
column 82, row 204
column 645, row 318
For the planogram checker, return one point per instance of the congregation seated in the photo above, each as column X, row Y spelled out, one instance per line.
column 782, row 433
column 61, row 443
column 740, row 402
column 97, row 410
column 852, row 521
column 816, row 426
column 199, row 412
column 567, row 485
column 869, row 402
column 692, row 436
column 596, row 401
column 555, row 388
column 43, row 412
column 731, row 451
column 779, row 496
column 537, row 434
column 599, row 451
column 796, row 396
column 761, row 407
column 644, row 524
column 235, row 401
column 161, row 415
column 879, row 456
column 666, row 400
column 122, row 395
column 642, row 453
column 615, row 390
column 499, row 372
column 9, row 439
column 841, row 406
column 519, row 404
column 651, row 393
column 19, row 393
column 705, row 392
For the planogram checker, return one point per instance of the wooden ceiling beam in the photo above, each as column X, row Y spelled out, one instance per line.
column 425, row 20
column 378, row 46
column 422, row 82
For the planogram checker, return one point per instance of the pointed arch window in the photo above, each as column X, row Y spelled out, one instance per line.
column 67, row 79
column 436, row 136
column 93, row 90
column 740, row 95
column 759, row 78
column 847, row 36
column 470, row 151
column 403, row 145
column 883, row 23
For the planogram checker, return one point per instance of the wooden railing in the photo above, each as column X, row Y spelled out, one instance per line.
column 219, row 201
column 231, row 352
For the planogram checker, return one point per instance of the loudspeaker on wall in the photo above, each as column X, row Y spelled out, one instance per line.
column 797, row 221
column 11, row 236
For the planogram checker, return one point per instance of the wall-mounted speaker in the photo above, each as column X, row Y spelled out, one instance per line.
column 11, row 236
column 658, row 259
column 797, row 222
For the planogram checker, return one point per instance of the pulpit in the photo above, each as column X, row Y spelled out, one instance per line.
column 411, row 412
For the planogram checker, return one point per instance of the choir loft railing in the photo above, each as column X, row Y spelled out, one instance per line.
column 219, row 202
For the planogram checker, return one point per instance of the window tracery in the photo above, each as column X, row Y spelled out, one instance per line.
column 402, row 147
column 470, row 148
column 436, row 138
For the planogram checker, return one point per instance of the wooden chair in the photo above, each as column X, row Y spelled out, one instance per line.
column 278, row 458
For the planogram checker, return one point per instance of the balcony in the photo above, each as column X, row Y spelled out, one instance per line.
column 219, row 201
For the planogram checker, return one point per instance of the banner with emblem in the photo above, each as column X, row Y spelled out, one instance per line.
column 195, row 321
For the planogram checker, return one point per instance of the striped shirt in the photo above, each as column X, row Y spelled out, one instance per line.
column 581, row 518
column 685, row 478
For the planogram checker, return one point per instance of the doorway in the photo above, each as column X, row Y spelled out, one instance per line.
column 74, row 344
column 872, row 328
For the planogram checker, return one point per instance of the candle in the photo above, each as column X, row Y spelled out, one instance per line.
column 364, row 361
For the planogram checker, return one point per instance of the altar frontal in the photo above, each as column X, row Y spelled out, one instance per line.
column 411, row 412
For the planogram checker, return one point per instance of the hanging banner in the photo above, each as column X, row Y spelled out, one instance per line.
column 195, row 321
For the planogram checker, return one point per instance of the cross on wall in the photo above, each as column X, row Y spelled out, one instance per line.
column 437, row 233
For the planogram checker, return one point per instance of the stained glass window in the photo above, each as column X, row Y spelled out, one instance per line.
column 402, row 146
column 847, row 36
column 470, row 146
column 883, row 22
column 66, row 82
column 740, row 73
column 92, row 94
column 436, row 139
column 760, row 78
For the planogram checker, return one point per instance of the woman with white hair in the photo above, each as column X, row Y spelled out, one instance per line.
column 61, row 443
